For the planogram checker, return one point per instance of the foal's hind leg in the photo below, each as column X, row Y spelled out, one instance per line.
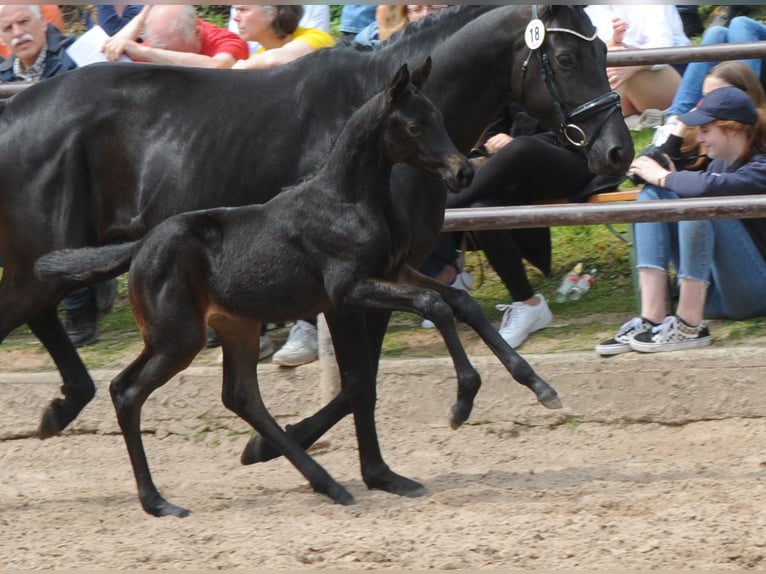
column 241, row 395
column 469, row 311
column 23, row 303
column 130, row 389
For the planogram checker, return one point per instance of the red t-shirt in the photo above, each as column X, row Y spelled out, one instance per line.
column 216, row 40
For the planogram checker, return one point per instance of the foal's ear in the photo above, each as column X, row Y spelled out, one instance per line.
column 399, row 84
column 420, row 75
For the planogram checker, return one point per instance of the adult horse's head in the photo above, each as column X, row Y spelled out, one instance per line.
column 415, row 132
column 562, row 49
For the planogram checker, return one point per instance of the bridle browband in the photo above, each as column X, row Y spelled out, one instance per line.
column 609, row 102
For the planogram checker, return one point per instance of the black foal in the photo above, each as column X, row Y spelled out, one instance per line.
column 325, row 244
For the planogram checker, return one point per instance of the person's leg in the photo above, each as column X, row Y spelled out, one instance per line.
column 649, row 89
column 689, row 90
column 656, row 248
column 745, row 29
column 81, row 316
column 528, row 312
column 685, row 329
column 738, row 274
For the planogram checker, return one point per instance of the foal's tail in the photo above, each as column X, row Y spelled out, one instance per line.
column 86, row 264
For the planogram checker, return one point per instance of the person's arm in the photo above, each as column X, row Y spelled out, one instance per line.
column 275, row 57
column 111, row 21
column 137, row 51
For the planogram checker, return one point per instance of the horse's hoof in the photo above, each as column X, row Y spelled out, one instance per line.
column 341, row 496
column 165, row 508
column 395, row 484
column 460, row 414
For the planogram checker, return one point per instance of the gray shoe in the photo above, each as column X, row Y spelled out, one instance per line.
column 620, row 343
column 673, row 334
column 300, row 348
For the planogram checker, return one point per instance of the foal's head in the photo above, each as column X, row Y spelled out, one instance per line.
column 415, row 133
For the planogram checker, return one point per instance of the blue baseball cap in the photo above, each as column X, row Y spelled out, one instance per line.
column 728, row 103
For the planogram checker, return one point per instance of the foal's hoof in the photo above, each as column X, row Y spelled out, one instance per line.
column 460, row 414
column 56, row 417
column 549, row 398
column 257, row 449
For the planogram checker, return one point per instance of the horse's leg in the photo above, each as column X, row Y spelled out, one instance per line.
column 78, row 388
column 359, row 368
column 242, row 396
column 469, row 311
column 312, row 428
column 22, row 302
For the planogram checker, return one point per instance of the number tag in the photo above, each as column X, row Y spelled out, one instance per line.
column 535, row 34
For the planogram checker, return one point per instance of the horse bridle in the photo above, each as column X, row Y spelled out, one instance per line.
column 609, row 102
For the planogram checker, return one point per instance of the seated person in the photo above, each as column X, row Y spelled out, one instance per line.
column 276, row 29
column 720, row 264
column 51, row 13
column 624, row 27
column 314, row 16
column 114, row 17
column 523, row 164
column 741, row 29
column 173, row 34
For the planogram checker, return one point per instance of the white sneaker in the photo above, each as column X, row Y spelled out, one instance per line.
column 265, row 349
column 300, row 348
column 462, row 280
column 521, row 320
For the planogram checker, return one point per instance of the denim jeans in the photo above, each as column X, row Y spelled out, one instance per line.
column 718, row 252
column 741, row 29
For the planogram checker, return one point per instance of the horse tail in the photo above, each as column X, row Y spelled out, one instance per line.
column 86, row 264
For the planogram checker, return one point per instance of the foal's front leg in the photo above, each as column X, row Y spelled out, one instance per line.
column 469, row 311
column 374, row 294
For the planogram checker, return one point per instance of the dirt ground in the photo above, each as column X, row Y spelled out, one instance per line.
column 654, row 462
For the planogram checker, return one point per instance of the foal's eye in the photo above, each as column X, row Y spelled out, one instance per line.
column 414, row 129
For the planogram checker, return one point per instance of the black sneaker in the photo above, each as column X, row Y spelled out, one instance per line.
column 620, row 343
column 81, row 324
column 673, row 334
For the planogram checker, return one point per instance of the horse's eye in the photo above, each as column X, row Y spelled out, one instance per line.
column 566, row 61
column 414, row 129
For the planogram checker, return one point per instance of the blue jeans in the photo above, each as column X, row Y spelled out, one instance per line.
column 741, row 29
column 718, row 252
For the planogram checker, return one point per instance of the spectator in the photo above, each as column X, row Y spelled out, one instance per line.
column 314, row 16
column 51, row 13
column 173, row 34
column 114, row 17
column 276, row 29
column 643, row 89
column 720, row 264
column 38, row 52
column 741, row 29
column 354, row 18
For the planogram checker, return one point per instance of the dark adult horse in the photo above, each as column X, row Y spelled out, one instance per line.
column 104, row 153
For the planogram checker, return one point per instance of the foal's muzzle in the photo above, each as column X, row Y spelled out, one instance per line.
column 458, row 174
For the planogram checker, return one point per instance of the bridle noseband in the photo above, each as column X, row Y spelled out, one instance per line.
column 609, row 102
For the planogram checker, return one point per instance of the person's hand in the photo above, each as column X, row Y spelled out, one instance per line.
column 618, row 31
column 649, row 170
column 116, row 46
column 618, row 75
column 496, row 142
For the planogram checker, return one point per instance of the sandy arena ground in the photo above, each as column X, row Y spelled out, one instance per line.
column 655, row 462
